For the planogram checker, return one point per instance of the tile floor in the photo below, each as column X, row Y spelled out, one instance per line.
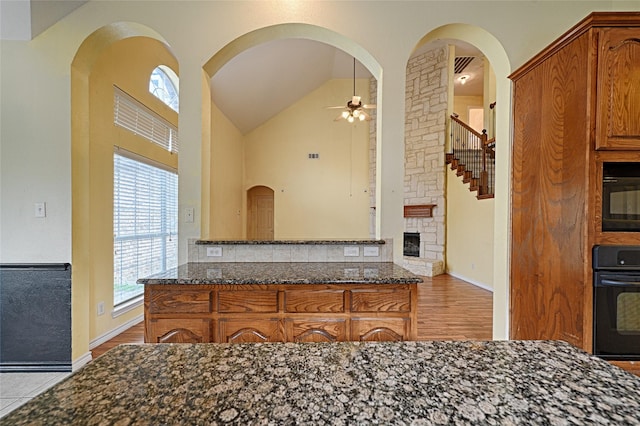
column 18, row 388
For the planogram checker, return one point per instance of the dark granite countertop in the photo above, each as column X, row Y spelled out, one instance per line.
column 287, row 242
column 401, row 383
column 284, row 273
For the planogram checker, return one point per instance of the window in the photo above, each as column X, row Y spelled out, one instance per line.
column 145, row 223
column 137, row 118
column 163, row 84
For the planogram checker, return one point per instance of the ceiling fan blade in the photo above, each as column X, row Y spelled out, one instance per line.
column 369, row 106
column 336, row 107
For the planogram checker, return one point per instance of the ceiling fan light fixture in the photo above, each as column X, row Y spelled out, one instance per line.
column 362, row 117
column 350, row 119
column 345, row 114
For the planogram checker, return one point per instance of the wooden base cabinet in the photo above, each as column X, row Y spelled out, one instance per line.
column 280, row 313
column 576, row 104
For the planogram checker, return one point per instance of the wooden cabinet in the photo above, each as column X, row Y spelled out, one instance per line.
column 574, row 101
column 618, row 89
column 277, row 312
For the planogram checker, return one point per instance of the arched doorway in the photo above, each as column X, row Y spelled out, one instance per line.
column 260, row 213
column 492, row 49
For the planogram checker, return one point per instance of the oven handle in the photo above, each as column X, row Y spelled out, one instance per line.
column 618, row 283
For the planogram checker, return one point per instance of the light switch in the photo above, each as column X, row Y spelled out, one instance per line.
column 40, row 209
column 188, row 214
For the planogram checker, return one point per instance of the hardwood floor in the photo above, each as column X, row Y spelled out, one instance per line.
column 448, row 309
column 134, row 334
column 452, row 309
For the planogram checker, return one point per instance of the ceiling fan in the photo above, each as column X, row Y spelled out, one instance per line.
column 354, row 110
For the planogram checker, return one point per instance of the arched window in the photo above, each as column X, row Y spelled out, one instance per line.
column 164, row 85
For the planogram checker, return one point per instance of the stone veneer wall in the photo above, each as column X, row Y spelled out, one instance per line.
column 424, row 182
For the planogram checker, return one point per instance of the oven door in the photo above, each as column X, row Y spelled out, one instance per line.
column 616, row 315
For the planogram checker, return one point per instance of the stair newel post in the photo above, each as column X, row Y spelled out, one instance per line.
column 484, row 176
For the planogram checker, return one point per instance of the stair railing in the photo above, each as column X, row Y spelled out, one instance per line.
column 473, row 157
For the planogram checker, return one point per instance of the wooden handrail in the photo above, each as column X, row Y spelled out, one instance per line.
column 466, row 126
column 470, row 150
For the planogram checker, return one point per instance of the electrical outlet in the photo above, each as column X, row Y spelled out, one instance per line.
column 371, row 251
column 214, row 251
column 351, row 251
column 100, row 308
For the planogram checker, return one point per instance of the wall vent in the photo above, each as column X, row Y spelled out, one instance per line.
column 461, row 62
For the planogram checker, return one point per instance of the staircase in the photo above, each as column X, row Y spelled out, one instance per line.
column 473, row 158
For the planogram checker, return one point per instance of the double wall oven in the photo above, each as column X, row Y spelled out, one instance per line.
column 616, row 302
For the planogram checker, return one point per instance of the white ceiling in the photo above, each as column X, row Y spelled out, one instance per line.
column 256, row 84
column 264, row 80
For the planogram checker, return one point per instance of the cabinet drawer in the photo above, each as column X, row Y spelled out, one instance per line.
column 308, row 301
column 381, row 300
column 179, row 301
column 248, row 301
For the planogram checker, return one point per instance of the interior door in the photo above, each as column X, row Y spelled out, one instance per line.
column 260, row 213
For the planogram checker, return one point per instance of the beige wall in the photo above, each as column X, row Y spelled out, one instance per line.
column 314, row 198
column 469, row 250
column 226, row 191
column 461, row 105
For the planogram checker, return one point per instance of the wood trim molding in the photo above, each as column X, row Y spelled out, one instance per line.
column 420, row 210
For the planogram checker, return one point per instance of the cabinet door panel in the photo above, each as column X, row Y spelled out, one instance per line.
column 380, row 330
column 248, row 301
column 250, row 330
column 381, row 300
column 180, row 301
column 178, row 331
column 618, row 93
column 314, row 301
column 315, row 330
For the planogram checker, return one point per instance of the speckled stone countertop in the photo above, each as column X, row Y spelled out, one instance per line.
column 302, row 242
column 401, row 383
column 284, row 273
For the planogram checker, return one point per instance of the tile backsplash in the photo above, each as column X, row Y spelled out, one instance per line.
column 334, row 251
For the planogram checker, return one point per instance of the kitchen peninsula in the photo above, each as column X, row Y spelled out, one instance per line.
column 391, row 383
column 275, row 291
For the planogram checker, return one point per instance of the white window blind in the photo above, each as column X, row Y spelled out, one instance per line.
column 145, row 224
column 137, row 118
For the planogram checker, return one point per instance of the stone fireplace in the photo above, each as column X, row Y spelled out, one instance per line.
column 424, row 180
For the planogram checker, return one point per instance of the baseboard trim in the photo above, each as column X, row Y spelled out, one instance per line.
column 84, row 359
column 113, row 333
column 470, row 281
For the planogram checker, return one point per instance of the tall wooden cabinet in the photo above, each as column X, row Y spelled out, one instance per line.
column 576, row 105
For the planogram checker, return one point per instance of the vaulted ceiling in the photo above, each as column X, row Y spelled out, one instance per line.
column 258, row 83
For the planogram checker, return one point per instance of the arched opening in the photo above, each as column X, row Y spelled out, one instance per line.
column 319, row 169
column 97, row 75
column 495, row 244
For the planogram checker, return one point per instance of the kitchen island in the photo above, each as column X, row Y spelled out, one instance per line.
column 391, row 383
column 239, row 302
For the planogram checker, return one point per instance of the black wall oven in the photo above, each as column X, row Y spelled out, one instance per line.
column 616, row 302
